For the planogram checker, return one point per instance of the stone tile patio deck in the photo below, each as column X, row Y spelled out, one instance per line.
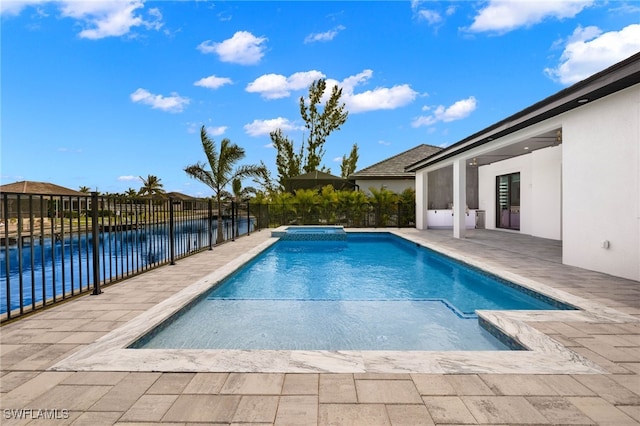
column 31, row 346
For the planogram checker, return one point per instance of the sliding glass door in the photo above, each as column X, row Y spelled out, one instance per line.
column 508, row 200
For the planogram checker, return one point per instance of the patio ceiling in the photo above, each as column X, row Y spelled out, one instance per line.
column 544, row 140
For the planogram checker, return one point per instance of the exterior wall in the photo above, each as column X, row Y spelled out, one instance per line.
column 540, row 189
column 422, row 183
column 585, row 192
column 487, row 189
column 394, row 185
column 601, row 194
column 546, row 193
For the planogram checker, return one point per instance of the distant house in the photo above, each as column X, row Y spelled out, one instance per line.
column 391, row 173
column 186, row 202
column 40, row 198
column 566, row 168
column 39, row 188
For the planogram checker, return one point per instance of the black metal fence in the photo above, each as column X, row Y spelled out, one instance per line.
column 54, row 247
column 365, row 215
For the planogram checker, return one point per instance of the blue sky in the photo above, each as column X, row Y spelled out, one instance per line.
column 98, row 93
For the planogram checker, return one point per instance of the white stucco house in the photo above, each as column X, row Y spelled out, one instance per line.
column 566, row 168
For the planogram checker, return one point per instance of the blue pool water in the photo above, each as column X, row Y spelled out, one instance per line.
column 370, row 292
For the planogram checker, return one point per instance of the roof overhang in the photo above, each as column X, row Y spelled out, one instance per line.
column 615, row 78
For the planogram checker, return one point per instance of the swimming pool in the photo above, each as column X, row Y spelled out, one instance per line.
column 375, row 291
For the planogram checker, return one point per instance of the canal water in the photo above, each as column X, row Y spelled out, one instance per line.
column 47, row 269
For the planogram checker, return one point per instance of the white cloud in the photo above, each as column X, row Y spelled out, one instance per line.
column 14, row 7
column 216, row 131
column 128, row 178
column 459, row 110
column 371, row 100
column 173, row 103
column 431, row 16
column 380, row 98
column 275, row 86
column 212, row 82
column 243, row 48
column 326, row 36
column 589, row 51
column 99, row 19
column 504, row 16
column 211, row 130
column 264, row 127
column 337, row 159
column 109, row 18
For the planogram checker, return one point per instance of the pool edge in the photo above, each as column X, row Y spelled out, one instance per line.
column 545, row 356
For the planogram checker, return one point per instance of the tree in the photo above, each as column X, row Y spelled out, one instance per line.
column 328, row 198
column 385, row 200
column 320, row 123
column 305, row 201
column 219, row 171
column 352, row 204
column 151, row 186
column 84, row 189
column 349, row 163
column 239, row 192
column 288, row 162
column 265, row 181
column 131, row 193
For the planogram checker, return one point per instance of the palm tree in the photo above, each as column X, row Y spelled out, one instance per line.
column 151, row 186
column 241, row 193
column 306, row 200
column 131, row 193
column 84, row 189
column 219, row 171
column 384, row 199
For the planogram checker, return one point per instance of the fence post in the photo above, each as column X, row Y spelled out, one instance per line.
column 259, row 217
column 233, row 220
column 248, row 219
column 95, row 232
column 172, row 234
column 398, row 217
column 5, row 218
column 210, row 214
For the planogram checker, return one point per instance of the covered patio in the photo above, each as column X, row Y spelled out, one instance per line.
column 565, row 168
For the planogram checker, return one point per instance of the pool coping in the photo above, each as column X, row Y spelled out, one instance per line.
column 545, row 355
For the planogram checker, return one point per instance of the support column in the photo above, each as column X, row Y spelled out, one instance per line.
column 459, row 198
column 422, row 198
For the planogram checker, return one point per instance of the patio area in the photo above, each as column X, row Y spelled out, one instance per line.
column 35, row 387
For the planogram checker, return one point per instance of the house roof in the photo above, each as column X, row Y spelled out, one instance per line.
column 617, row 77
column 317, row 179
column 180, row 196
column 39, row 188
column 316, row 175
column 394, row 167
